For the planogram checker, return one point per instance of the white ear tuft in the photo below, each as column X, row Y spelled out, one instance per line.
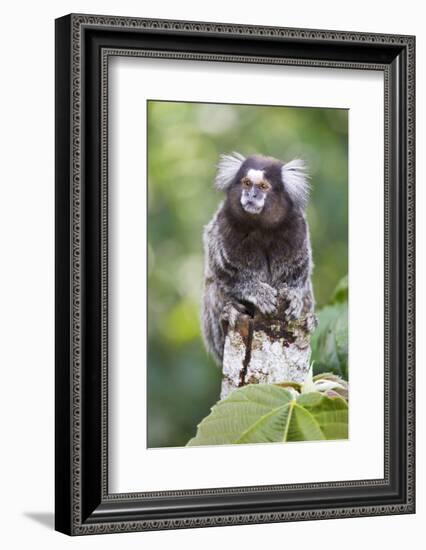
column 227, row 170
column 295, row 179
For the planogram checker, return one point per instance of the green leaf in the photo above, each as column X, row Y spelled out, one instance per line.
column 340, row 293
column 330, row 413
column 266, row 413
column 330, row 341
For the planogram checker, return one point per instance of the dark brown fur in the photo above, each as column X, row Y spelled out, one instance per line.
column 256, row 262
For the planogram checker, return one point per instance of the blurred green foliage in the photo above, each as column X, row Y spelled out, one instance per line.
column 184, row 143
column 330, row 340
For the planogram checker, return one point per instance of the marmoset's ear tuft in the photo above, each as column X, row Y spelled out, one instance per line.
column 295, row 179
column 227, row 169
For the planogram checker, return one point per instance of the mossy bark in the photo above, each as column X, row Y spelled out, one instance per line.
column 260, row 350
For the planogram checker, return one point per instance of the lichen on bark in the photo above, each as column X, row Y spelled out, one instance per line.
column 261, row 350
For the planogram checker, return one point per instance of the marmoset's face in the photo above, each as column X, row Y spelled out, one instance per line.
column 262, row 191
column 255, row 189
column 257, row 193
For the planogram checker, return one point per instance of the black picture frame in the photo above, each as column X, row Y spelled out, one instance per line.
column 83, row 46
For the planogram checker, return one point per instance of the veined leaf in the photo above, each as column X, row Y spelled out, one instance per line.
column 265, row 413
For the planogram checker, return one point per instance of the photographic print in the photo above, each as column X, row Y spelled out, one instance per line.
column 247, row 274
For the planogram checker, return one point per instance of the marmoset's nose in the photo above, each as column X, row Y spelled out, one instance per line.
column 254, row 192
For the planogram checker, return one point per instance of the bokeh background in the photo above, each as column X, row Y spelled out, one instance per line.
column 184, row 143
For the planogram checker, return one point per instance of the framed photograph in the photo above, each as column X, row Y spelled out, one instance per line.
column 234, row 274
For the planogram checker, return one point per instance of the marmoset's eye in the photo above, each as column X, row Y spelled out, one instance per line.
column 246, row 182
column 264, row 186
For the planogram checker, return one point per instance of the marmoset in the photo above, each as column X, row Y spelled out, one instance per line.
column 258, row 257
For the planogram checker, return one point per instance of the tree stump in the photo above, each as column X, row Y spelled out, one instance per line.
column 261, row 350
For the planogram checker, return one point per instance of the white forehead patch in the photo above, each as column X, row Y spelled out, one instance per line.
column 256, row 176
